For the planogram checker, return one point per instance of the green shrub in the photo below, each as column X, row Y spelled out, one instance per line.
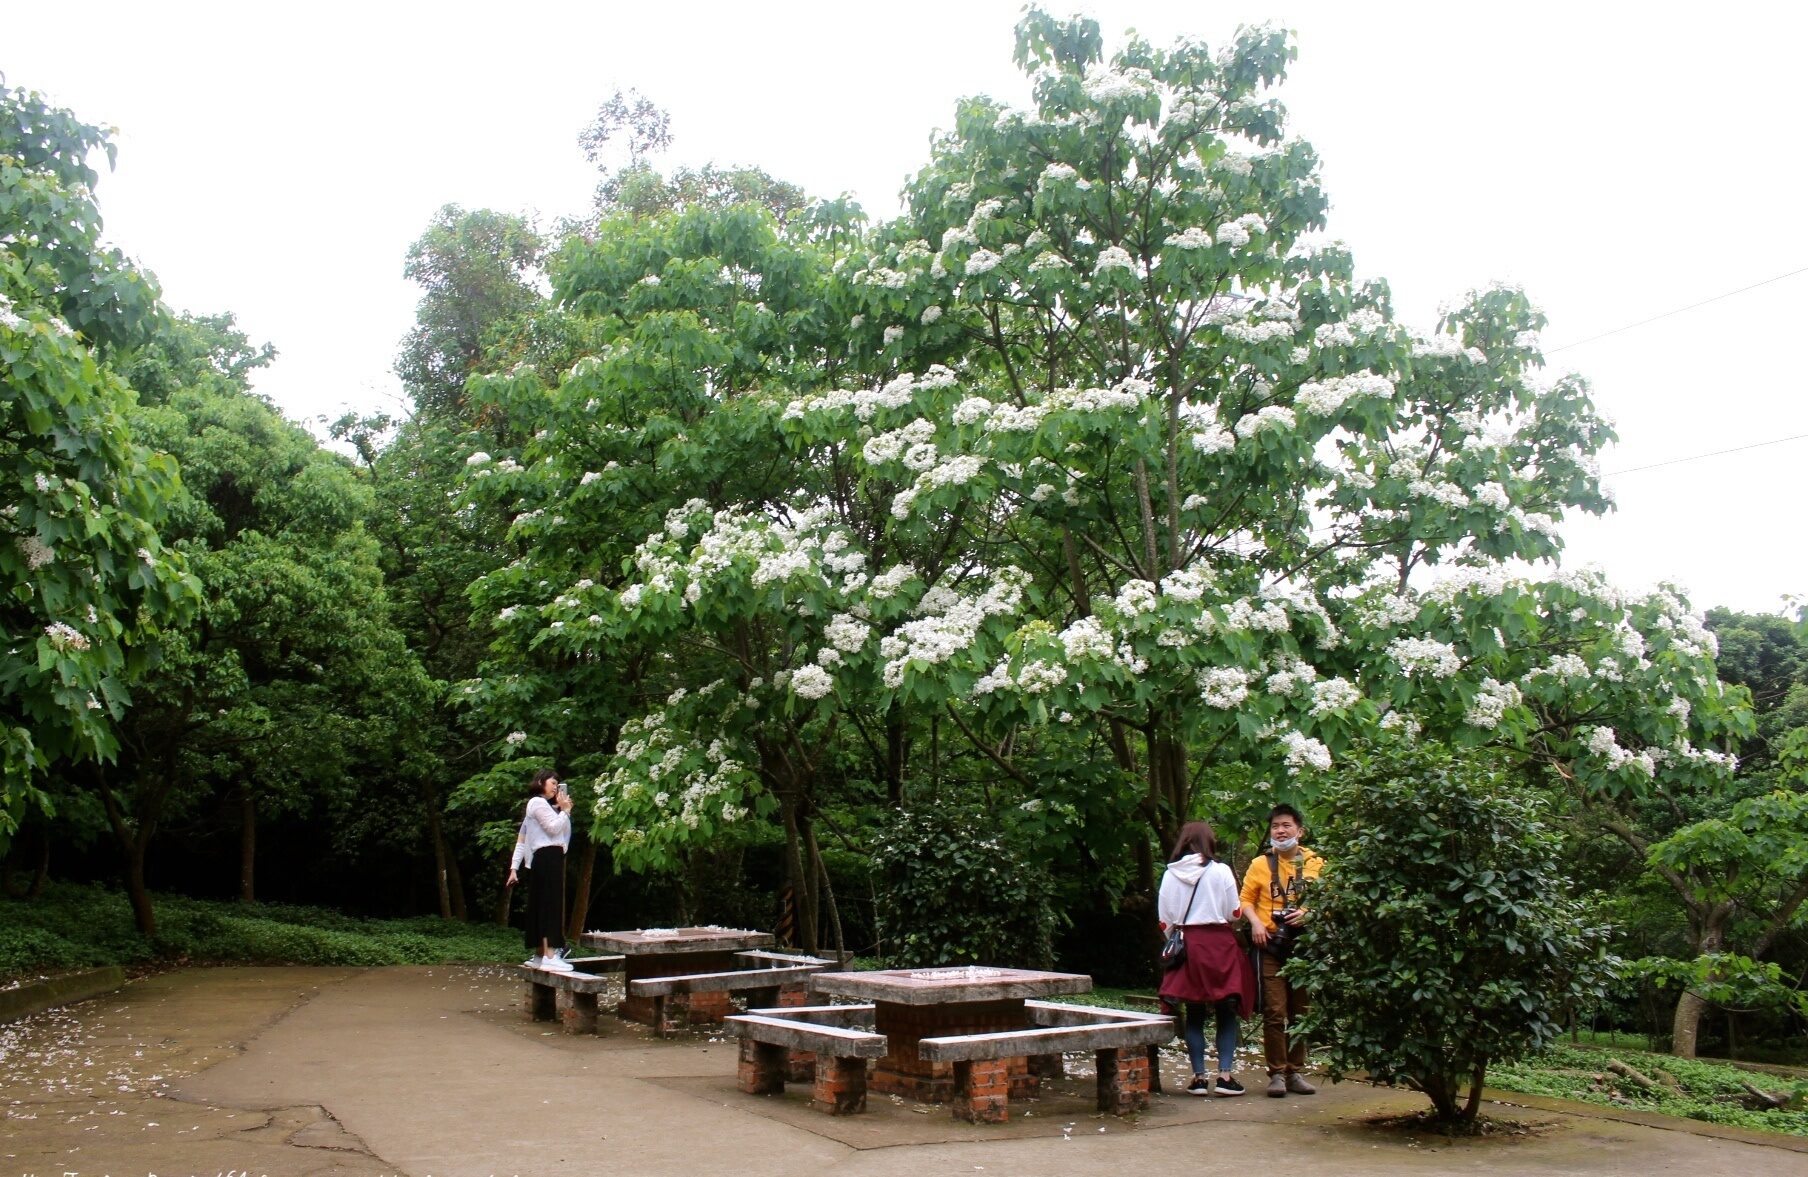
column 956, row 889
column 1442, row 936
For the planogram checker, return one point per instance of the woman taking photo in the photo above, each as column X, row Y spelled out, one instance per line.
column 540, row 850
column 1199, row 895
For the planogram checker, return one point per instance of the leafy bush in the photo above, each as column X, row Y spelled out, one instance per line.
column 82, row 926
column 955, row 888
column 1442, row 939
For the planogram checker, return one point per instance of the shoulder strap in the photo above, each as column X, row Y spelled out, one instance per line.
column 1186, row 917
column 1275, row 890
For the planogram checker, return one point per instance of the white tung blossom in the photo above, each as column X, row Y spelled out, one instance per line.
column 1417, row 656
column 1113, row 257
column 1192, row 237
column 1302, row 751
column 1492, row 701
column 1223, row 686
column 811, row 682
column 1272, row 417
column 981, row 261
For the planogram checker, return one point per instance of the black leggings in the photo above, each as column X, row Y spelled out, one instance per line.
column 546, row 899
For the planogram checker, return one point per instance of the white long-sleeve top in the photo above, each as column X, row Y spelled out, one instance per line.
column 1215, row 902
column 543, row 826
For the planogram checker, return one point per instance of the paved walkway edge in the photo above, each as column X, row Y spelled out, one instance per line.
column 38, row 996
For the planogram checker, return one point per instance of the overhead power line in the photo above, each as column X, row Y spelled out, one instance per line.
column 1678, row 311
column 1756, row 445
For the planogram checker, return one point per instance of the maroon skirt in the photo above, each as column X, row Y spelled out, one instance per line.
column 1216, row 968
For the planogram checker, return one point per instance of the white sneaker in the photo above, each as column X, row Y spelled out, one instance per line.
column 558, row 965
column 532, row 962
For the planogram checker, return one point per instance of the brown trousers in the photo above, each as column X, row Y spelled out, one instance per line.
column 1281, row 1003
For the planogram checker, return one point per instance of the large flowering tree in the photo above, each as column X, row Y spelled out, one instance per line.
column 85, row 582
column 1182, row 418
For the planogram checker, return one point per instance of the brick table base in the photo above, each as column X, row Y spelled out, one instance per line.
column 1123, row 1081
column 903, row 1072
column 982, row 1091
column 840, row 1086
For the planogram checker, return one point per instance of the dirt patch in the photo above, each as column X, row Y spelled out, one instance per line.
column 1482, row 1127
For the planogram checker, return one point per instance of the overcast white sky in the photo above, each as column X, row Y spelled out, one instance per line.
column 1620, row 162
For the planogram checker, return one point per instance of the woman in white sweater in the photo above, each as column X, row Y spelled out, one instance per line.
column 540, row 850
column 1199, row 894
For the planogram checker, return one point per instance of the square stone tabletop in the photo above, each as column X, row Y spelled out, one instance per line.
column 956, row 983
column 670, row 941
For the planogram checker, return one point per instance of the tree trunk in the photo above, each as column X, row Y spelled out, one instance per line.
column 803, row 894
column 578, row 912
column 828, row 890
column 144, row 916
column 436, row 836
column 132, row 846
column 894, row 754
column 1685, row 1027
column 1475, row 1091
column 455, row 885
column 247, row 847
column 502, row 905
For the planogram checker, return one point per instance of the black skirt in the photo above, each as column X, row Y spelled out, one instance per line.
column 546, row 899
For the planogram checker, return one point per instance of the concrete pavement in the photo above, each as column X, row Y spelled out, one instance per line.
column 436, row 1072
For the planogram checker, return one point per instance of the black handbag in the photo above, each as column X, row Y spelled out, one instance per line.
column 1173, row 949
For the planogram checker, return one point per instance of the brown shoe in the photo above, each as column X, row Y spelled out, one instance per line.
column 1296, row 1085
column 1277, row 1086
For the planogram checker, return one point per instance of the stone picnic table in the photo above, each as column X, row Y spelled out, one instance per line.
column 692, row 974
column 910, row 1005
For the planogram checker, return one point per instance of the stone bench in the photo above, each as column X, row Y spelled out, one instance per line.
column 1119, row 1041
column 570, row 998
column 838, row 1054
column 1059, row 1013
column 762, row 987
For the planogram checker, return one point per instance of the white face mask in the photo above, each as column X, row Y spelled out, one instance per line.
column 1285, row 844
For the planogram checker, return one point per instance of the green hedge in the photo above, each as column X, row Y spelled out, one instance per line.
column 72, row 926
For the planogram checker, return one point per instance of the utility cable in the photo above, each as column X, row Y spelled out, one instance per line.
column 1715, row 454
column 1679, row 310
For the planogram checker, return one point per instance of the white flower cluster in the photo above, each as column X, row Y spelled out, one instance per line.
column 1302, row 751
column 811, row 682
column 65, row 637
column 1110, row 84
column 951, row 630
column 1322, row 398
column 1416, row 656
column 1262, row 420
column 1492, row 701
column 1113, row 257
column 891, row 445
column 1223, row 687
column 866, row 402
column 35, row 551
column 1192, row 237
column 1601, row 742
column 1334, row 694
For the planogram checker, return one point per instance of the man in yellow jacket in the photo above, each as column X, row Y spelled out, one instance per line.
column 1272, row 896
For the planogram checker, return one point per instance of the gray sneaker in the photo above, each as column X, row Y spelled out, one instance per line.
column 1277, row 1086
column 1298, row 1085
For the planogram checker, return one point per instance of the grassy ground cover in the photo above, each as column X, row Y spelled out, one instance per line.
column 71, row 926
column 1691, row 1088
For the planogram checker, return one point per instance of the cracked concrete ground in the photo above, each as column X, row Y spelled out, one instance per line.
column 436, row 1072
